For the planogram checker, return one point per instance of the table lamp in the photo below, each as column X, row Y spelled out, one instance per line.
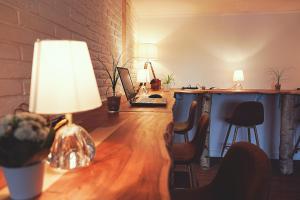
column 238, row 77
column 149, row 52
column 63, row 82
column 143, row 78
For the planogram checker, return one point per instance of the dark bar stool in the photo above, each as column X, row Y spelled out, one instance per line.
column 187, row 153
column 184, row 127
column 248, row 114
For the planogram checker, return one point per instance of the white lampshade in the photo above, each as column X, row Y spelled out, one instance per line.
column 63, row 79
column 148, row 51
column 143, row 76
column 238, row 75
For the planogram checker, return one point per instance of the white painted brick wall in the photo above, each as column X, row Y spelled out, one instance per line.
column 98, row 22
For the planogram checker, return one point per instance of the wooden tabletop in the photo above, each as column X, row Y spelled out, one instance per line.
column 233, row 91
column 131, row 159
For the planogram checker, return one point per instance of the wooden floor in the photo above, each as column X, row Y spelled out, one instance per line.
column 282, row 187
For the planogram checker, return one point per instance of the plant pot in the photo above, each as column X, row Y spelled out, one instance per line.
column 277, row 86
column 25, row 182
column 167, row 87
column 113, row 103
column 155, row 84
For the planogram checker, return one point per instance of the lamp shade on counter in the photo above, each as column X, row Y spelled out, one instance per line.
column 63, row 79
column 238, row 75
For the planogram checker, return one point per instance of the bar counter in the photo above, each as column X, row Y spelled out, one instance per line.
column 280, row 109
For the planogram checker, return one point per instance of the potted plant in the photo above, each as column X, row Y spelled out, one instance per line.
column 25, row 141
column 168, row 82
column 113, row 101
column 277, row 76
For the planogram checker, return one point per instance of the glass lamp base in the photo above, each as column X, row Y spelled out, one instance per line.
column 238, row 86
column 72, row 148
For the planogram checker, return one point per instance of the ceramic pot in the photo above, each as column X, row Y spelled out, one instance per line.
column 25, row 182
column 113, row 103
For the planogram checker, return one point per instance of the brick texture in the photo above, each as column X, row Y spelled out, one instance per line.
column 98, row 22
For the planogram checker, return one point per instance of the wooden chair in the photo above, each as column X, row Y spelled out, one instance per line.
column 244, row 174
column 248, row 114
column 187, row 153
column 184, row 127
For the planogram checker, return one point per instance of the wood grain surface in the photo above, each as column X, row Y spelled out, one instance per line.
column 131, row 160
column 232, row 91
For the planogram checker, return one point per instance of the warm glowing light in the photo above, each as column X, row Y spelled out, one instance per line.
column 63, row 79
column 143, row 76
column 238, row 75
column 147, row 50
column 63, row 82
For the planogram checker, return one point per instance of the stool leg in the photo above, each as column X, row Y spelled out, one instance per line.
column 186, row 137
column 256, row 136
column 235, row 134
column 191, row 176
column 226, row 138
column 296, row 146
column 249, row 135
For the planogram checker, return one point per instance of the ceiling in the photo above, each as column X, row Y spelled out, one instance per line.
column 154, row 8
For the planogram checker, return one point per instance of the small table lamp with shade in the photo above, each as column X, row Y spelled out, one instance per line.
column 143, row 78
column 238, row 77
column 149, row 52
column 63, row 82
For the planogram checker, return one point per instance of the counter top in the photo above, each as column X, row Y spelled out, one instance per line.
column 233, row 91
column 131, row 160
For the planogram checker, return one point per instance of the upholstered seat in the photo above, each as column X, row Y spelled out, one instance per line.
column 184, row 153
column 244, row 174
column 247, row 114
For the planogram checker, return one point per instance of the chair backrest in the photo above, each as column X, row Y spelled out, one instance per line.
column 244, row 174
column 191, row 117
column 248, row 113
column 200, row 135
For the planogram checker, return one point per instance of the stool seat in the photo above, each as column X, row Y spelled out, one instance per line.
column 184, row 153
column 181, row 127
column 248, row 114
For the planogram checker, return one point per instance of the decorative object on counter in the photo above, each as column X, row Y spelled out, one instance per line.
column 149, row 51
column 168, row 82
column 277, row 76
column 143, row 78
column 74, row 89
column 113, row 101
column 190, row 87
column 25, row 141
column 238, row 77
